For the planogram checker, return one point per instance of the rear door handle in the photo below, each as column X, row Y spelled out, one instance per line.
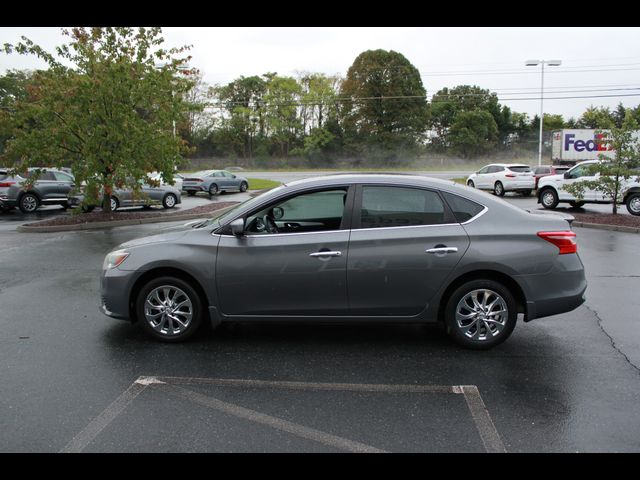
column 326, row 254
column 442, row 250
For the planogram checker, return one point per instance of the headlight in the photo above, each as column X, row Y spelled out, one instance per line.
column 113, row 259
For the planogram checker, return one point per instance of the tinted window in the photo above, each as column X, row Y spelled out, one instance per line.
column 580, row 171
column 495, row 169
column 560, row 170
column 63, row 177
column 523, row 168
column 400, row 207
column 308, row 212
column 3, row 174
column 47, row 176
column 463, row 208
column 542, row 170
column 484, row 170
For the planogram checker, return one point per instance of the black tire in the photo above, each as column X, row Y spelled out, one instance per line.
column 191, row 193
column 87, row 208
column 473, row 338
column 633, row 204
column 65, row 206
column 244, row 186
column 549, row 198
column 526, row 193
column 576, row 204
column 169, row 201
column 471, row 184
column 115, row 204
column 213, row 189
column 196, row 309
column 498, row 189
column 29, row 203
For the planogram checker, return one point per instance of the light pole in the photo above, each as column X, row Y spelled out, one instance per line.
column 534, row 63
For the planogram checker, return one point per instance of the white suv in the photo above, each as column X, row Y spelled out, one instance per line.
column 504, row 177
column 551, row 190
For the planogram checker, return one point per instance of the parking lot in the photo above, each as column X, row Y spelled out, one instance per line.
column 76, row 380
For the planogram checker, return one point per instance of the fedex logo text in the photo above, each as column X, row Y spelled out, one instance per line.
column 599, row 144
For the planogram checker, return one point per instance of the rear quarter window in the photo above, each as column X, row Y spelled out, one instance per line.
column 463, row 209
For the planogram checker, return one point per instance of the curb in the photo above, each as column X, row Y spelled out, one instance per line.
column 613, row 228
column 121, row 223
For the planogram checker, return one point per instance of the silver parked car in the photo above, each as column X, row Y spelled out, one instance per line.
column 379, row 248
column 166, row 195
column 52, row 187
column 214, row 182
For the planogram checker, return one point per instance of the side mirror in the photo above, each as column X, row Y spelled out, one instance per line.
column 237, row 227
column 567, row 175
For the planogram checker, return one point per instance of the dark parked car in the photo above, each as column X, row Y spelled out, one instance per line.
column 51, row 188
column 378, row 248
column 546, row 170
column 213, row 182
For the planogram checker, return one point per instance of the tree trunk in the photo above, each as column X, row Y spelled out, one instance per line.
column 106, row 199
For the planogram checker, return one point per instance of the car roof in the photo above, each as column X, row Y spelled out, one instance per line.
column 390, row 178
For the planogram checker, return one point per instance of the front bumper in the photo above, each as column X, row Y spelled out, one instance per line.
column 115, row 289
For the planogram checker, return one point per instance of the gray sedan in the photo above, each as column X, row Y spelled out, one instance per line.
column 166, row 195
column 345, row 248
column 213, row 182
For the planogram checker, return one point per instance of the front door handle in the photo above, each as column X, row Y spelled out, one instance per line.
column 442, row 250
column 326, row 254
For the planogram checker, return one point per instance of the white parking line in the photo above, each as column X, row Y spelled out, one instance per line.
column 479, row 413
column 91, row 431
column 274, row 422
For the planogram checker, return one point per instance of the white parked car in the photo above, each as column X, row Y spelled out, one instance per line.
column 551, row 190
column 504, row 177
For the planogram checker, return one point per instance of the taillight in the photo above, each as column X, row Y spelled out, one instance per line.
column 7, row 184
column 510, row 175
column 565, row 241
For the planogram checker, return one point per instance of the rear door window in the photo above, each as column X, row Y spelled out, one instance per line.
column 463, row 208
column 400, row 207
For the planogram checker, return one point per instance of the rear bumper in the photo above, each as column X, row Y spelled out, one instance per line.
column 559, row 291
column 519, row 185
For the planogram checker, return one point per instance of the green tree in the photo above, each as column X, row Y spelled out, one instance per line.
column 596, row 117
column 614, row 170
column 281, row 107
column 473, row 133
column 13, row 89
column 383, row 103
column 110, row 115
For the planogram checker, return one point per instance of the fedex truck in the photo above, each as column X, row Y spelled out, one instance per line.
column 570, row 146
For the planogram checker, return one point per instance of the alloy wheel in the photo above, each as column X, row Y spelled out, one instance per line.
column 482, row 315
column 168, row 310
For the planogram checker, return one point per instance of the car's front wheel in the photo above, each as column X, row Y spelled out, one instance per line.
column 169, row 200
column 480, row 314
column 633, row 204
column 471, row 184
column 549, row 198
column 169, row 309
column 244, row 186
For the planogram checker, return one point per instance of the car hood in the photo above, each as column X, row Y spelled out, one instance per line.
column 551, row 178
column 168, row 236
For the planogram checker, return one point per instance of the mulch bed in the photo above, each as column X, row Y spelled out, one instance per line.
column 99, row 216
column 608, row 219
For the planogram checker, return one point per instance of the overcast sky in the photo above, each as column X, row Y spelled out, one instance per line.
column 596, row 62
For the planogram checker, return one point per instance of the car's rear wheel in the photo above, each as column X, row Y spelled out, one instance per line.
column 169, row 200
column 29, row 203
column 169, row 309
column 498, row 189
column 481, row 314
column 213, row 189
column 576, row 204
column 87, row 208
column 114, row 204
column 633, row 204
column 549, row 198
column 471, row 184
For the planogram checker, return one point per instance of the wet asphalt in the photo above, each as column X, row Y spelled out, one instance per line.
column 561, row 384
